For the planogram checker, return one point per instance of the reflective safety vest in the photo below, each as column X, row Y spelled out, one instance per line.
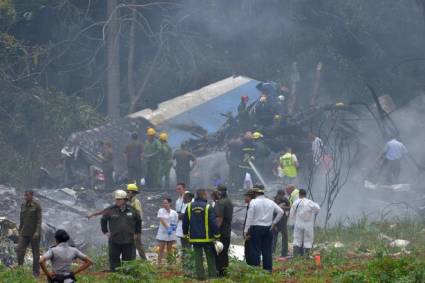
column 203, row 228
column 287, row 163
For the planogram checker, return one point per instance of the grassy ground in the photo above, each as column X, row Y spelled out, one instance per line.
column 361, row 252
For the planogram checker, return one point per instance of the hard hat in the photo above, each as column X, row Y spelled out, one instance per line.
column 218, row 246
column 133, row 188
column 257, row 135
column 277, row 117
column 120, row 194
column 245, row 98
column 163, row 136
column 263, row 98
column 339, row 104
column 151, row 132
column 258, row 188
column 281, row 98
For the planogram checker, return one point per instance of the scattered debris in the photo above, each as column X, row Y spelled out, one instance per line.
column 399, row 243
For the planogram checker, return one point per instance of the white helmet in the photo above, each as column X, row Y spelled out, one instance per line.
column 120, row 194
column 218, row 246
column 281, row 98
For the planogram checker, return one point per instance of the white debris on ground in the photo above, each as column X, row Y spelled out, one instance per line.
column 237, row 252
column 399, row 243
column 379, row 187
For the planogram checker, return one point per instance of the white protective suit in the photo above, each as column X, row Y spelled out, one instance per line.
column 302, row 215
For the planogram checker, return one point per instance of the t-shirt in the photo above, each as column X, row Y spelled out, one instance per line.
column 62, row 257
column 224, row 208
column 134, row 152
column 183, row 159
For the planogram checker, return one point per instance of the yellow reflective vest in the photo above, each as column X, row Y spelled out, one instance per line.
column 288, row 165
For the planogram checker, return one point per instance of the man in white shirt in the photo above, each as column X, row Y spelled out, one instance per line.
column 258, row 228
column 181, row 203
column 316, row 148
column 393, row 152
column 302, row 216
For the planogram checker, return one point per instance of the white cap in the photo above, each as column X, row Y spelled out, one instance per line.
column 120, row 194
column 281, row 98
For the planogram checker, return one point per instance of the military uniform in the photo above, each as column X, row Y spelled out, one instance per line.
column 29, row 232
column 135, row 203
column 199, row 225
column 224, row 209
column 166, row 163
column 134, row 152
column 123, row 225
column 183, row 168
column 152, row 155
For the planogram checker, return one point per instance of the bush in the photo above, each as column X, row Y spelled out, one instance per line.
column 134, row 272
column 16, row 275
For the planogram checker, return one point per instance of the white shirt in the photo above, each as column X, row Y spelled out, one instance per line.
column 260, row 213
column 394, row 150
column 170, row 218
column 316, row 147
column 180, row 208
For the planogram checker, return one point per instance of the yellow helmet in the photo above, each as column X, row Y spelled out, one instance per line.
column 257, row 135
column 151, row 132
column 339, row 104
column 163, row 136
column 133, row 188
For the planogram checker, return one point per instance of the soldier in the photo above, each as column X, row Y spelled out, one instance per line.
column 122, row 225
column 30, row 231
column 165, row 159
column 133, row 155
column 151, row 155
column 183, row 166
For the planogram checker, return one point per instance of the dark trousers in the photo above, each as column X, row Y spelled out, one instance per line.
column 23, row 243
column 134, row 174
column 392, row 171
column 208, row 248
column 186, row 247
column 284, row 232
column 108, row 171
column 183, row 177
column 222, row 260
column 261, row 245
column 247, row 250
column 119, row 253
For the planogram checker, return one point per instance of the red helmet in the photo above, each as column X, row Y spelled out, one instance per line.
column 245, row 98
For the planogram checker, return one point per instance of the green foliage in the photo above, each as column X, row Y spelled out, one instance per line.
column 241, row 272
column 16, row 275
column 134, row 272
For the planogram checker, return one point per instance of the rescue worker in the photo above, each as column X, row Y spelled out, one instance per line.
column 249, row 196
column 132, row 191
column 185, row 162
column 62, row 255
column 29, row 231
column 152, row 153
column 122, row 225
column 293, row 193
column 281, row 226
column 224, row 213
column 289, row 164
column 280, row 105
column 199, row 225
column 264, row 113
column 262, row 152
column 248, row 151
column 107, row 165
column 302, row 216
column 392, row 155
column 243, row 118
column 133, row 155
column 259, row 225
column 166, row 159
column 234, row 157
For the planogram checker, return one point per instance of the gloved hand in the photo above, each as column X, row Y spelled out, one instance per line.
column 169, row 230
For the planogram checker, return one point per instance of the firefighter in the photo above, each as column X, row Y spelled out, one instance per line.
column 152, row 152
column 165, row 158
column 289, row 164
column 199, row 225
column 132, row 191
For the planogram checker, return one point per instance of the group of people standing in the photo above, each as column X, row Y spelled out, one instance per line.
column 151, row 160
